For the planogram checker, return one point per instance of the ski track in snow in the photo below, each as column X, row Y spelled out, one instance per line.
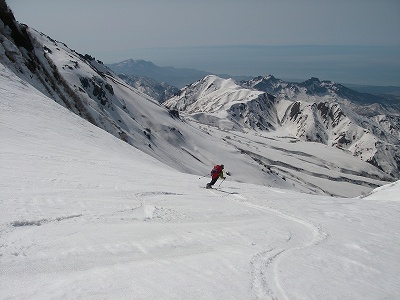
column 264, row 265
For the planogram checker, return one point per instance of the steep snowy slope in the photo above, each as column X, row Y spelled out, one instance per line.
column 87, row 216
column 86, row 87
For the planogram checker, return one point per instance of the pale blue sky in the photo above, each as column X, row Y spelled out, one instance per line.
column 120, row 29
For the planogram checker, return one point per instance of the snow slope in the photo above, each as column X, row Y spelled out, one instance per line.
column 87, row 216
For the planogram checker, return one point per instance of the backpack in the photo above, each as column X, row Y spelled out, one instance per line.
column 216, row 171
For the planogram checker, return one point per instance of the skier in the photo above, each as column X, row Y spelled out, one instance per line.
column 216, row 172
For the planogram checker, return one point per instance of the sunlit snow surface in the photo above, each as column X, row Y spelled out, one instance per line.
column 86, row 216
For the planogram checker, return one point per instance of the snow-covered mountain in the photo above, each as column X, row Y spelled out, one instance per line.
column 309, row 90
column 269, row 157
column 232, row 104
column 313, row 111
column 367, row 125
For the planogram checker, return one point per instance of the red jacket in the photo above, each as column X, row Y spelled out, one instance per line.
column 217, row 172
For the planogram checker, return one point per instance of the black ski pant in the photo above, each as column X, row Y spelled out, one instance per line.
column 213, row 181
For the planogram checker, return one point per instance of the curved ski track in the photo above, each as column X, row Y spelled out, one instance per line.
column 264, row 265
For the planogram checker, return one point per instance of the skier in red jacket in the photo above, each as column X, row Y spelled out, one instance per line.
column 216, row 172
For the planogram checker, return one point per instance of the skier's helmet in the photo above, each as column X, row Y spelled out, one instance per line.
column 222, row 166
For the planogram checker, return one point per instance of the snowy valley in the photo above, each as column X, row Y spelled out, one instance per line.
column 102, row 187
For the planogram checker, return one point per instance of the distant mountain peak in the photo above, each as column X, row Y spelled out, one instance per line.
column 313, row 80
column 132, row 63
column 270, row 77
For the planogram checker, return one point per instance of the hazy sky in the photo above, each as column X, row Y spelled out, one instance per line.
column 116, row 30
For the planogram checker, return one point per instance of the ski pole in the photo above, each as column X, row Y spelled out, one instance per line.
column 221, row 182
